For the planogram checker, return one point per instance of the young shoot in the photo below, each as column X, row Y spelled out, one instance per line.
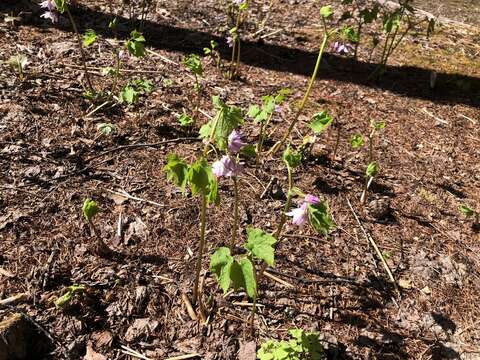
column 326, row 12
column 213, row 52
column 372, row 165
column 201, row 180
column 90, row 209
column 193, row 63
column 73, row 292
column 18, row 63
column 233, row 39
column 264, row 113
column 238, row 272
column 470, row 213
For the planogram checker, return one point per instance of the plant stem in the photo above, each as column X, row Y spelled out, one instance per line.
column 337, row 142
column 82, row 53
column 212, row 132
column 197, row 102
column 203, row 221
column 370, row 159
column 279, row 144
column 235, row 214
column 252, row 316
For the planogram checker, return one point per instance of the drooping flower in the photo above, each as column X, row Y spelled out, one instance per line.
column 48, row 4
column 342, row 48
column 312, row 199
column 227, row 166
column 230, row 41
column 235, row 142
column 299, row 215
column 52, row 15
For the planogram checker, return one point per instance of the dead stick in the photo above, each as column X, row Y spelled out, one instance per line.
column 377, row 250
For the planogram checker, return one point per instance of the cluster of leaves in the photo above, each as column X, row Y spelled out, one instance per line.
column 262, row 113
column 239, row 272
column 198, row 176
column 130, row 92
column 302, row 346
column 226, row 119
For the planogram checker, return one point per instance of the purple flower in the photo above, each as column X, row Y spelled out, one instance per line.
column 342, row 48
column 238, row 2
column 279, row 110
column 311, row 199
column 300, row 215
column 52, row 15
column 48, row 4
column 230, row 41
column 235, row 142
column 226, row 166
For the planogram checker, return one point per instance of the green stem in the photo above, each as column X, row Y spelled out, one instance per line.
column 370, row 159
column 203, row 222
column 279, row 144
column 212, row 132
column 197, row 102
column 235, row 214
column 82, row 53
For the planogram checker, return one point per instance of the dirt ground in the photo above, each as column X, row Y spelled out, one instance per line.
column 52, row 157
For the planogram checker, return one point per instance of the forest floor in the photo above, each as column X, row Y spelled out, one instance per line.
column 52, row 157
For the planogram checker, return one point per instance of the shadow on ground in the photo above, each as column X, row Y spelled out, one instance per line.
column 403, row 80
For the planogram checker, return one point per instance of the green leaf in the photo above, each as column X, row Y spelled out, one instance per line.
column 372, row 169
column 377, row 125
column 350, row 34
column 128, row 95
column 320, row 122
column 320, row 217
column 326, row 11
column 226, row 120
column 61, row 5
column 193, row 63
column 89, row 37
column 248, row 271
column 18, row 62
column 356, row 141
column 90, row 209
column 177, row 171
column 113, row 23
column 249, row 151
column 467, row 211
column 291, row 158
column 236, row 276
column 260, row 244
column 185, row 120
column 142, row 85
column 106, row 128
column 198, row 177
column 136, row 44
column 221, row 265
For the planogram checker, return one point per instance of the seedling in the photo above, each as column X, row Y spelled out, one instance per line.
column 263, row 114
column 362, row 15
column 239, row 271
column 199, row 177
column 130, row 92
column 394, row 33
column 326, row 12
column 372, row 165
column 469, row 212
column 18, row 63
column 233, row 39
column 303, row 345
column 193, row 63
column 90, row 209
column 186, row 120
column 106, row 128
column 212, row 51
column 73, row 292
column 136, row 44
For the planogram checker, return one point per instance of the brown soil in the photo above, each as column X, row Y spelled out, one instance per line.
column 53, row 157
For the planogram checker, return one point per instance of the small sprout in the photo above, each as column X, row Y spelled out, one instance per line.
column 320, row 122
column 185, row 120
column 372, row 169
column 89, row 37
column 90, row 209
column 356, row 141
column 113, row 23
column 302, row 346
column 377, row 125
column 73, row 291
column 128, row 95
column 326, row 11
column 194, row 64
column 467, row 211
column 136, row 44
column 106, row 128
column 18, row 63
